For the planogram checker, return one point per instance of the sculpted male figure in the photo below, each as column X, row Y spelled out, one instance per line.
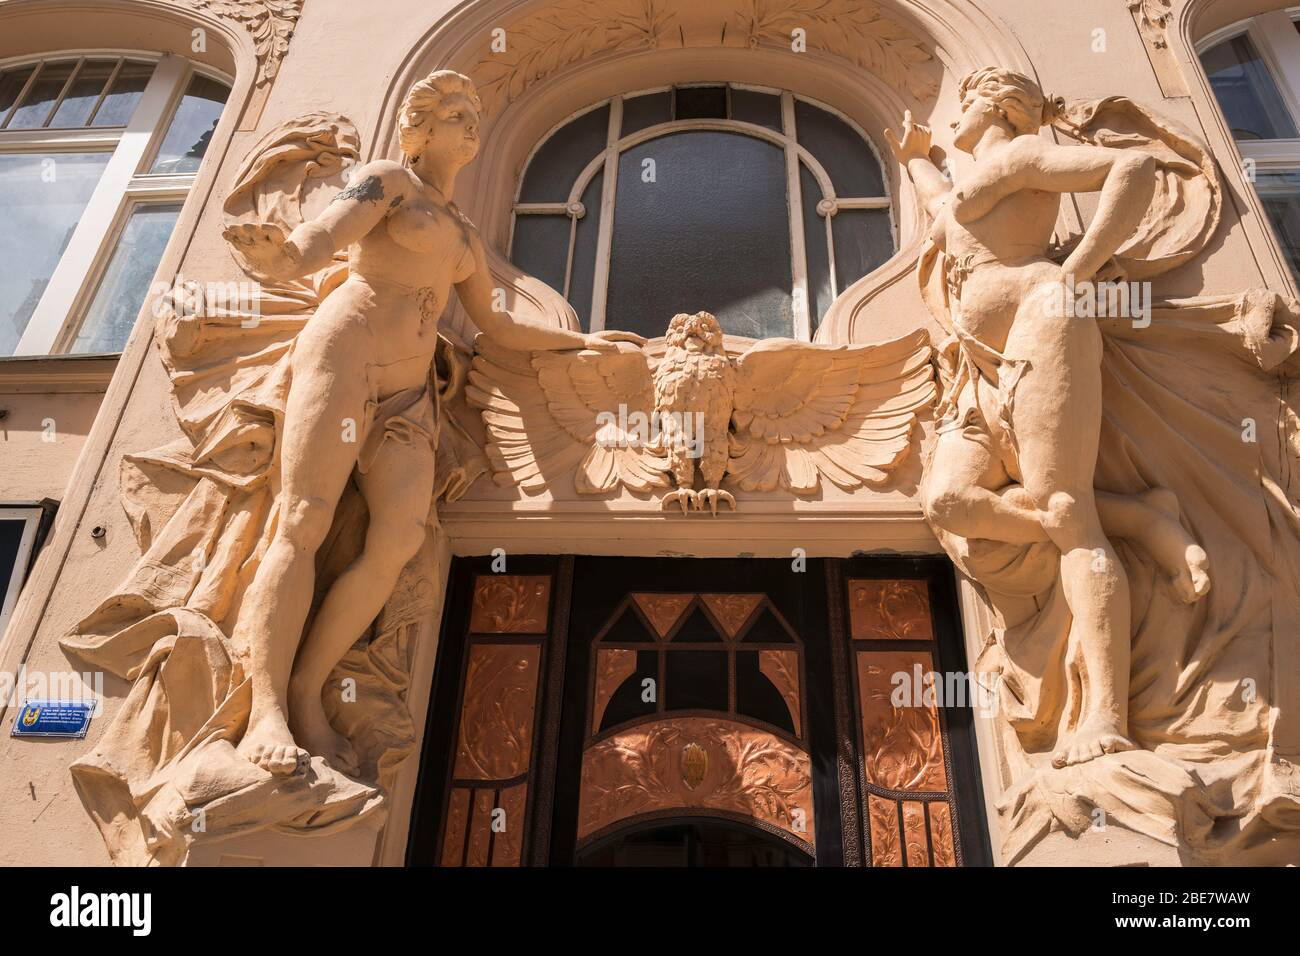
column 1016, row 454
column 364, row 358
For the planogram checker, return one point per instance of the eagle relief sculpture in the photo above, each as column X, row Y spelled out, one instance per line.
column 783, row 414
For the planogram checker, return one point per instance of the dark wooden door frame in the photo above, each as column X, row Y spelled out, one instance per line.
column 552, row 825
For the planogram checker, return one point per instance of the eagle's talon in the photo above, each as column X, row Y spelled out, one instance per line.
column 713, row 496
column 685, row 497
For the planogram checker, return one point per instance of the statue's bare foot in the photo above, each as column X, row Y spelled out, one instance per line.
column 1091, row 739
column 268, row 743
column 1177, row 552
column 313, row 730
column 685, row 497
column 712, row 496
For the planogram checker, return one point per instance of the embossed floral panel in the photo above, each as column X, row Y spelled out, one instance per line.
column 902, row 746
column 511, row 604
column 889, row 610
column 496, row 719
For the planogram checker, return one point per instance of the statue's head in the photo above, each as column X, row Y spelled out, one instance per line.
column 1000, row 97
column 695, row 333
column 440, row 117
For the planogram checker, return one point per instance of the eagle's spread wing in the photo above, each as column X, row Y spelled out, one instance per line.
column 543, row 412
column 845, row 412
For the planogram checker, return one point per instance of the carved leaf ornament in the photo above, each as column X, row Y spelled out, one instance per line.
column 561, row 34
column 270, row 23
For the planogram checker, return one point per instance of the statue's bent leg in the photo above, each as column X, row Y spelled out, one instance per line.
column 1056, row 417
column 966, row 492
column 398, row 489
column 323, row 415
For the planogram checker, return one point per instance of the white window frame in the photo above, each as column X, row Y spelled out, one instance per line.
column 1276, row 38
column 124, row 185
column 32, row 516
column 786, row 138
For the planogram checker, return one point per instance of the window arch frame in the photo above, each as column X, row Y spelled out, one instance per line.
column 786, row 139
column 1275, row 36
column 125, row 185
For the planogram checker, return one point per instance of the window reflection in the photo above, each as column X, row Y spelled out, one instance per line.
column 191, row 127
column 43, row 198
column 125, row 284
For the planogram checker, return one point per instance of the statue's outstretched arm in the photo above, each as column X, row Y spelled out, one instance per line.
column 375, row 190
column 516, row 332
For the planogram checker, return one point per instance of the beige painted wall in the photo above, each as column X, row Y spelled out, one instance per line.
column 352, row 58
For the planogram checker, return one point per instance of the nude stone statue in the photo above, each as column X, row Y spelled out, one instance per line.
column 360, row 399
column 1016, row 453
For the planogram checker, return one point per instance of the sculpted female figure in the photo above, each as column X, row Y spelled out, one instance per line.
column 359, row 399
column 1017, row 450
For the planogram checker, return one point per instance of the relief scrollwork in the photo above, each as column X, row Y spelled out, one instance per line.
column 697, row 763
column 856, row 31
column 902, row 746
column 511, row 604
column 495, row 739
column 270, row 23
column 542, row 43
column 889, row 610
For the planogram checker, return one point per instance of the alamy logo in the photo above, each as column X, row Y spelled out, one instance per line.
column 103, row 909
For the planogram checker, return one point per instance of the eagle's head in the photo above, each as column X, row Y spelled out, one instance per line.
column 695, row 333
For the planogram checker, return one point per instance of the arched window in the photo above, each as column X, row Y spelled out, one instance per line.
column 97, row 154
column 753, row 204
column 1254, row 70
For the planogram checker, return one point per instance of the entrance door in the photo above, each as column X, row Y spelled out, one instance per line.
column 601, row 711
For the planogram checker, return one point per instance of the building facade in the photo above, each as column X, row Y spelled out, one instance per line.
column 525, row 432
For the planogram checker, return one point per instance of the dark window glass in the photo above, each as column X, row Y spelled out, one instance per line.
column 695, row 680
column 768, row 630
column 697, row 630
column 642, row 112
column 711, row 231
column 541, row 247
column 842, row 152
column 11, row 538
column 37, row 105
column 1280, row 193
column 816, row 252
column 761, row 109
column 561, row 158
column 626, row 704
column 1246, row 92
column 123, row 95
column 11, row 85
column 701, row 102
column 79, row 104
column 757, row 697
column 864, row 239
column 583, row 279
column 627, row 628
column 192, row 127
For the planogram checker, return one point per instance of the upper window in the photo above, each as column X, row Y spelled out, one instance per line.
column 1254, row 70
column 753, row 204
column 97, row 153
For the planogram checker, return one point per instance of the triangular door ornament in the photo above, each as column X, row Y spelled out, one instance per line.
column 731, row 610
column 663, row 610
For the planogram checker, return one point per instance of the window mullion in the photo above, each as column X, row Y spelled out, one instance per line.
column 94, row 235
column 1275, row 36
column 605, row 236
column 798, row 254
